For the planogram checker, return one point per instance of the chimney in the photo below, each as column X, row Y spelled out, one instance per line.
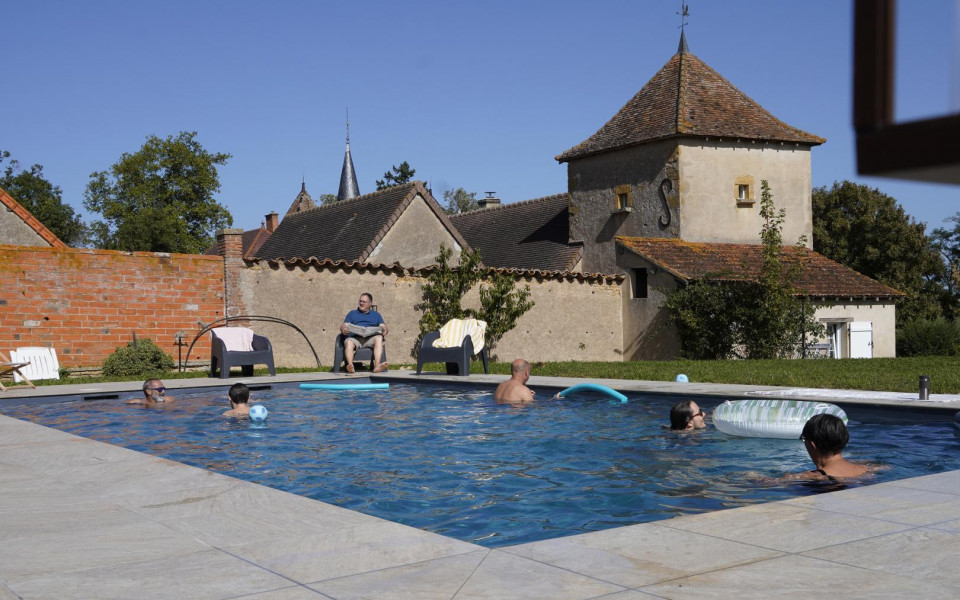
column 272, row 220
column 491, row 201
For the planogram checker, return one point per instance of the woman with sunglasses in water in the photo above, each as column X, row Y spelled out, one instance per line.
column 686, row 415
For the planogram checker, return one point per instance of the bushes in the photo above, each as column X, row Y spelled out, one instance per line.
column 928, row 337
column 140, row 358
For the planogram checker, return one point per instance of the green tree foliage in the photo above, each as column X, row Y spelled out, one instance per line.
column 459, row 201
column 396, row 176
column 929, row 337
column 43, row 199
column 160, row 198
column 502, row 303
column 328, row 198
column 868, row 231
column 947, row 242
column 765, row 318
column 139, row 358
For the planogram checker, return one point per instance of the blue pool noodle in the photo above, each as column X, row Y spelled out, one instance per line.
column 594, row 387
column 333, row 387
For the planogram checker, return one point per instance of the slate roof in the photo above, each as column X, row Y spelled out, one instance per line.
column 348, row 230
column 533, row 234
column 820, row 277
column 16, row 208
column 688, row 98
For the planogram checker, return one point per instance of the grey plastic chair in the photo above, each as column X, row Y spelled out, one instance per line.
column 457, row 359
column 222, row 359
column 360, row 355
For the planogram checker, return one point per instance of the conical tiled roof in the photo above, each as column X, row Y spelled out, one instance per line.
column 688, row 98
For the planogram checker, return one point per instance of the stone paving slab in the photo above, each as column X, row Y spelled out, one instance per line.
column 83, row 519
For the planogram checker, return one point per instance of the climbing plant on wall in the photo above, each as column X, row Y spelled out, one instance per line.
column 502, row 302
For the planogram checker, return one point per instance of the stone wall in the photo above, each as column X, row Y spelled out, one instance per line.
column 86, row 303
column 575, row 318
column 648, row 174
column 709, row 173
column 15, row 231
column 881, row 315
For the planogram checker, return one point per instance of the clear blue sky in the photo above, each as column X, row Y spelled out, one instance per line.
column 480, row 95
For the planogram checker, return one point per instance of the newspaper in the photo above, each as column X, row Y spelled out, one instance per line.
column 363, row 331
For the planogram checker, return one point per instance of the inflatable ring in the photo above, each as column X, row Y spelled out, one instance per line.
column 333, row 387
column 782, row 419
column 593, row 387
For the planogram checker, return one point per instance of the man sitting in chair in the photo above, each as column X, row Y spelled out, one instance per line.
column 364, row 328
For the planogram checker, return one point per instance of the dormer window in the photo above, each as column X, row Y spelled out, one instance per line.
column 622, row 202
column 743, row 191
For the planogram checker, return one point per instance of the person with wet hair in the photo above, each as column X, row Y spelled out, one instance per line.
column 154, row 394
column 825, row 436
column 686, row 415
column 239, row 395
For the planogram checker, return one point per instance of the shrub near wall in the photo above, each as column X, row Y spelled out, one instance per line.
column 86, row 303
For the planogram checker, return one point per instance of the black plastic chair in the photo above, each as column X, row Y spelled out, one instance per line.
column 457, row 359
column 360, row 355
column 223, row 359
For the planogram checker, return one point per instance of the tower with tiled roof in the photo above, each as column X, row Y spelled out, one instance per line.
column 348, row 176
column 302, row 202
column 684, row 159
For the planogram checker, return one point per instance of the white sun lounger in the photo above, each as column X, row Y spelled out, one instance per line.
column 43, row 363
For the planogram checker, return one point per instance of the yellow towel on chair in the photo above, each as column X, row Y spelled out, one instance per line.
column 452, row 334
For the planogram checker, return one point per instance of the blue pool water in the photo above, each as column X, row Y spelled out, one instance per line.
column 450, row 460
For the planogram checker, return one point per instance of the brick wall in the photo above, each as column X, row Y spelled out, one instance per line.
column 85, row 303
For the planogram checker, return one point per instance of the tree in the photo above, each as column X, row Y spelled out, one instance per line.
column 502, row 303
column 43, row 199
column 947, row 242
column 776, row 322
column 459, row 201
column 396, row 176
column 328, row 198
column 160, row 198
column 868, row 231
column 761, row 318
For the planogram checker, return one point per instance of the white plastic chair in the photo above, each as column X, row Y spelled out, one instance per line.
column 43, row 363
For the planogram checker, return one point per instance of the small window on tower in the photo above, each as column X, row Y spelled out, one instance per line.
column 622, row 202
column 743, row 191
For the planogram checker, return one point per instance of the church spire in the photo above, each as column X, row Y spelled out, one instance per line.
column 348, row 177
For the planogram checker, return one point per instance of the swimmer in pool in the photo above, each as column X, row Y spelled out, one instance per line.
column 154, row 393
column 825, row 436
column 686, row 415
column 514, row 390
column 239, row 394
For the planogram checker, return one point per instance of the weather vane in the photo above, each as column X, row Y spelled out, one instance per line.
column 685, row 12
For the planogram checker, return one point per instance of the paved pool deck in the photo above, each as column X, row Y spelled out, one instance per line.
column 84, row 519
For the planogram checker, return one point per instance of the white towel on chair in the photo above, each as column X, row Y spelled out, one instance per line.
column 453, row 333
column 43, row 363
column 235, row 339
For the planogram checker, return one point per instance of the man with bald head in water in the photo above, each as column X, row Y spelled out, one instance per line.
column 514, row 390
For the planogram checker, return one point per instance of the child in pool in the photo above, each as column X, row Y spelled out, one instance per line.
column 824, row 437
column 239, row 395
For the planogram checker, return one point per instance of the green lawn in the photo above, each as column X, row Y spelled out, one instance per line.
column 880, row 374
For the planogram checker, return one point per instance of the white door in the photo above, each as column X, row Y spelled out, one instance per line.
column 861, row 339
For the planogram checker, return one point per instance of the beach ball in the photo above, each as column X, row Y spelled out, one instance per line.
column 258, row 412
column 681, row 378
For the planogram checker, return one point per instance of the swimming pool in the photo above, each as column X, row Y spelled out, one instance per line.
column 451, row 461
